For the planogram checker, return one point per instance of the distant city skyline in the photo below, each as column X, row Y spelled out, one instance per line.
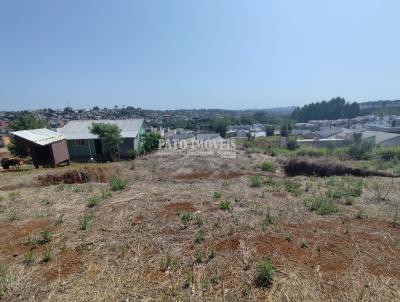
column 196, row 54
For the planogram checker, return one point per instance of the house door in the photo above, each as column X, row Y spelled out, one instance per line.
column 98, row 146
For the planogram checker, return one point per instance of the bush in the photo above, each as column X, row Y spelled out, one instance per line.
column 186, row 218
column 217, row 195
column 322, row 205
column 292, row 144
column 132, row 154
column 360, row 150
column 265, row 273
column 256, row 181
column 117, row 183
column 225, row 205
column 267, row 166
column 93, row 201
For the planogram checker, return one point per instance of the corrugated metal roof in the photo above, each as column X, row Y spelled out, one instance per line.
column 380, row 136
column 39, row 136
column 80, row 129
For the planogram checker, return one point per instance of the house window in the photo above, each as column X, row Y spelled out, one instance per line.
column 79, row 142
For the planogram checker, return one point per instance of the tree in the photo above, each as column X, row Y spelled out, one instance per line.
column 269, row 130
column 150, row 141
column 110, row 136
column 219, row 126
column 27, row 121
column 24, row 121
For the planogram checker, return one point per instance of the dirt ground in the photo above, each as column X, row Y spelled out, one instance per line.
column 136, row 245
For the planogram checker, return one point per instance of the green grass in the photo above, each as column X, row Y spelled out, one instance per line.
column 265, row 273
column 225, row 205
column 86, row 220
column 117, row 183
column 186, row 218
column 256, row 181
column 322, row 205
column 28, row 258
column 268, row 166
column 13, row 215
column 47, row 256
column 200, row 237
column 269, row 219
column 217, row 195
column 93, row 201
column 13, row 195
column 293, row 187
column 46, row 236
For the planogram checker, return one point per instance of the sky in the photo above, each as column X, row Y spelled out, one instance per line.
column 171, row 54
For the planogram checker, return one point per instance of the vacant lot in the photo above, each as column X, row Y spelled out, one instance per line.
column 178, row 227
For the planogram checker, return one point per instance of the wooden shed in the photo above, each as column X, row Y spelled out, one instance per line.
column 47, row 148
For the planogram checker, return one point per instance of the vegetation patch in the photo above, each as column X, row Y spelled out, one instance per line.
column 321, row 204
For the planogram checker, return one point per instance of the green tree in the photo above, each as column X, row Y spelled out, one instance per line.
column 269, row 130
column 24, row 121
column 150, row 141
column 110, row 136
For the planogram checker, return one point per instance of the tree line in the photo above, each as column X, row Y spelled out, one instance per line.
column 336, row 108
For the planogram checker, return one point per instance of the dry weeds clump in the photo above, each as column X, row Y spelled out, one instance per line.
column 324, row 168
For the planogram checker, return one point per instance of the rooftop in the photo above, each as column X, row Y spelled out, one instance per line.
column 40, row 137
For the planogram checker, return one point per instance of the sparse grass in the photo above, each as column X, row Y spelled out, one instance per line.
column 231, row 229
column 198, row 220
column 225, row 205
column 293, row 187
column 186, row 219
column 93, row 201
column 117, row 183
column 361, row 214
column 60, row 219
column 86, row 220
column 1, row 199
column 13, row 215
column 28, row 258
column 32, row 241
column 256, row 181
column 45, row 201
column 13, row 195
column 105, row 193
column 265, row 273
column 3, row 280
column 268, row 166
column 61, row 186
column 322, row 205
column 269, row 219
column 188, row 280
column 47, row 256
column 213, row 251
column 217, row 195
column 170, row 263
column 199, row 256
column 200, row 236
column 46, row 236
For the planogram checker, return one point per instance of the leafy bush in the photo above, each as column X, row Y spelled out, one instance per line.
column 132, row 153
column 217, row 195
column 256, row 181
column 360, row 150
column 117, row 183
column 265, row 273
column 93, row 201
column 322, row 205
column 225, row 205
column 292, row 143
column 267, row 166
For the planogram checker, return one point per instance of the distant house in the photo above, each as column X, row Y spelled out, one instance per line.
column 82, row 143
column 47, row 148
column 327, row 132
column 377, row 137
column 203, row 137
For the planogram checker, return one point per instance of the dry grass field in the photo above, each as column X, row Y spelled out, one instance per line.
column 185, row 228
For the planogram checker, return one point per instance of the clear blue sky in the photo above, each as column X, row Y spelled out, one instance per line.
column 170, row 54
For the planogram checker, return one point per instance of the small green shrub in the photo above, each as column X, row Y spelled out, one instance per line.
column 268, row 220
column 13, row 195
column 213, row 251
column 46, row 236
column 117, row 183
column 322, row 205
column 28, row 258
column 256, row 181
column 13, row 215
column 47, row 256
column 198, row 220
column 45, row 201
column 86, row 220
column 225, row 205
column 105, row 193
column 61, row 186
column 186, row 218
column 200, row 237
column 265, row 273
column 267, row 166
column 361, row 214
column 293, row 187
column 93, row 201
column 32, row 241
column 199, row 256
column 217, row 195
